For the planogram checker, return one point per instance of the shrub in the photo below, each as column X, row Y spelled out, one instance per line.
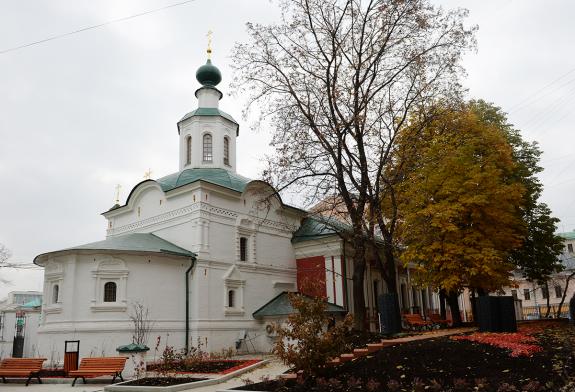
column 505, row 387
column 305, row 343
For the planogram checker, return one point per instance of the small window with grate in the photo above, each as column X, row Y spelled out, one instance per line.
column 558, row 291
column 208, row 155
column 55, row 293
column 243, row 249
column 188, row 150
column 526, row 294
column 226, row 150
column 110, row 292
column 231, row 298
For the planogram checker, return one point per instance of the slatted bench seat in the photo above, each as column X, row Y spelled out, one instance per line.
column 100, row 366
column 436, row 319
column 20, row 368
column 415, row 321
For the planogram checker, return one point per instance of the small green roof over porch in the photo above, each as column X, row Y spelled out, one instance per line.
column 281, row 306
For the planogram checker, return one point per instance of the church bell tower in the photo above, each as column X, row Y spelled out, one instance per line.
column 207, row 134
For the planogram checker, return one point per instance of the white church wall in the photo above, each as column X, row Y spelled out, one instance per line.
column 158, row 282
column 218, row 127
column 254, row 285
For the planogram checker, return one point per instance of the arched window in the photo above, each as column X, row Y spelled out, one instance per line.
column 110, row 292
column 55, row 293
column 207, row 156
column 231, row 298
column 226, row 150
column 188, row 150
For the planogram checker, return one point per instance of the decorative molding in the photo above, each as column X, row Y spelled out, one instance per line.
column 162, row 218
column 251, row 267
column 111, row 307
column 109, row 269
column 233, row 281
column 206, row 210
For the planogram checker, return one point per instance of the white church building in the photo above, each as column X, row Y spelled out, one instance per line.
column 207, row 251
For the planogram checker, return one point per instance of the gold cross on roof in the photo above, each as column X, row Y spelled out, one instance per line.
column 148, row 174
column 118, row 187
column 210, row 32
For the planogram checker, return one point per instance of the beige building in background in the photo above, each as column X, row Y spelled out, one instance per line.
column 533, row 297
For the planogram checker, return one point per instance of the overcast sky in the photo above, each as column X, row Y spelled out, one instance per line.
column 83, row 113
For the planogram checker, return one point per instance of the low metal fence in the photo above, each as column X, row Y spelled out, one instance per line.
column 539, row 311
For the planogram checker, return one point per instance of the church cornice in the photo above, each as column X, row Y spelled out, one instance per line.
column 206, row 211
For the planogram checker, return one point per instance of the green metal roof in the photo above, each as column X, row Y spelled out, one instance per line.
column 570, row 235
column 134, row 242
column 281, row 306
column 35, row 303
column 316, row 227
column 215, row 176
column 208, row 74
column 209, row 112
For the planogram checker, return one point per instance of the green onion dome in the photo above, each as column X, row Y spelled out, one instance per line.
column 208, row 74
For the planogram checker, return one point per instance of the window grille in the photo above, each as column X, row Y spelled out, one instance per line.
column 188, row 150
column 243, row 249
column 55, row 293
column 231, row 298
column 110, row 292
column 208, row 156
column 226, row 151
column 526, row 294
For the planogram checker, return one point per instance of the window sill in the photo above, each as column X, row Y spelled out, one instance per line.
column 111, row 307
column 234, row 312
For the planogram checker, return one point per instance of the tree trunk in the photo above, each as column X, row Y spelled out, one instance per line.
column 548, row 295
column 567, row 280
column 442, row 309
column 453, row 302
column 359, row 314
column 388, row 269
column 473, row 300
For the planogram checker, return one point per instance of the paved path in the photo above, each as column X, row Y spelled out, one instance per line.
column 431, row 334
column 50, row 387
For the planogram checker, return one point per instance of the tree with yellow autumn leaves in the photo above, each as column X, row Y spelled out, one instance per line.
column 459, row 202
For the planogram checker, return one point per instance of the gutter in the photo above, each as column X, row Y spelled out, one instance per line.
column 188, row 271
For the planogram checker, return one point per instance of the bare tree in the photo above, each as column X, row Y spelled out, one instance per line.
column 338, row 81
column 5, row 254
column 140, row 316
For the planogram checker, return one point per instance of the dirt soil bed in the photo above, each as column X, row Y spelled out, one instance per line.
column 207, row 366
column 444, row 364
column 162, row 381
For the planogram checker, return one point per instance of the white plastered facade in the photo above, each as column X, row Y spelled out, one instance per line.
column 202, row 217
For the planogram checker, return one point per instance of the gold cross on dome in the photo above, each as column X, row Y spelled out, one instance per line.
column 210, row 32
column 118, row 187
column 148, row 174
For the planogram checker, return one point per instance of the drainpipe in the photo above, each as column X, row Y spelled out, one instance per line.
column 188, row 271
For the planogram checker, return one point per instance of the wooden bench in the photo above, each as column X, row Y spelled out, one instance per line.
column 436, row 319
column 101, row 366
column 21, row 367
column 415, row 321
